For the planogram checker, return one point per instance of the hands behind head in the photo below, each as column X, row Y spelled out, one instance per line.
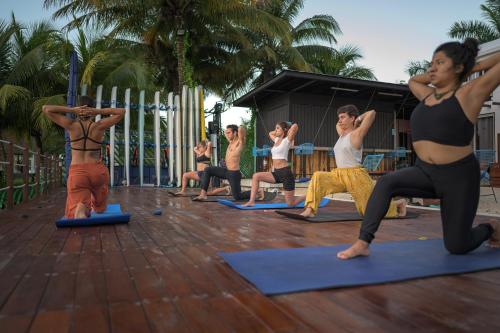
column 84, row 111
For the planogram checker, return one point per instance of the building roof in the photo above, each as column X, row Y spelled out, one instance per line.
column 321, row 84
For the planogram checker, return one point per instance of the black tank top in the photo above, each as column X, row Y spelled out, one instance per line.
column 444, row 123
column 203, row 159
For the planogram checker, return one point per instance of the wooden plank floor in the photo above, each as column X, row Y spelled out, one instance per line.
column 162, row 274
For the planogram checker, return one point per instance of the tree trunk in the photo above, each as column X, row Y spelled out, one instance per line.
column 39, row 144
column 179, row 43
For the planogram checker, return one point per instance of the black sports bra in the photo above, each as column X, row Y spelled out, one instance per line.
column 203, row 159
column 444, row 123
column 86, row 137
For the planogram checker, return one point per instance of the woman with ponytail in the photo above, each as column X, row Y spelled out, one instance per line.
column 442, row 128
column 282, row 136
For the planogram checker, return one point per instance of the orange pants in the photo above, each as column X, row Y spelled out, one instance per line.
column 87, row 184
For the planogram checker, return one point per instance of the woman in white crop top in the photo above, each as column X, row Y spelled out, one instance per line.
column 282, row 136
column 349, row 176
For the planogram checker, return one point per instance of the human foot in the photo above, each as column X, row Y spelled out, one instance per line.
column 494, row 240
column 81, row 211
column 308, row 212
column 359, row 248
column 200, row 198
column 249, row 204
column 401, row 205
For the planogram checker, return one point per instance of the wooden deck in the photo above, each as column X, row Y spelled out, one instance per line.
column 162, row 274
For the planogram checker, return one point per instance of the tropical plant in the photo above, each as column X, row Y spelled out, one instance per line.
column 484, row 31
column 171, row 28
column 415, row 67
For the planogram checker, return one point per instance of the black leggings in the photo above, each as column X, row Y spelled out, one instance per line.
column 234, row 178
column 456, row 184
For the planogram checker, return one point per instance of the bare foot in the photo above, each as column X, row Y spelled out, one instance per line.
column 308, row 212
column 359, row 248
column 80, row 211
column 401, row 204
column 200, row 197
column 249, row 204
column 494, row 240
column 180, row 193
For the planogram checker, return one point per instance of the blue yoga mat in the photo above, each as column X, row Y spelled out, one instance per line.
column 276, row 205
column 112, row 215
column 280, row 271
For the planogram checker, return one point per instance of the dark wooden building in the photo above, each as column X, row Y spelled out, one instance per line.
column 311, row 99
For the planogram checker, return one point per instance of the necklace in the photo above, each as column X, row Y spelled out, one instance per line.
column 438, row 96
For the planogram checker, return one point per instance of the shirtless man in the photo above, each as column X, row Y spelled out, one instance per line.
column 237, row 139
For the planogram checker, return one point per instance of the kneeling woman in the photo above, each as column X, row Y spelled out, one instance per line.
column 442, row 128
column 203, row 153
column 88, row 177
column 283, row 137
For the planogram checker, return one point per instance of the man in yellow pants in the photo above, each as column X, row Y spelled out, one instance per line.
column 349, row 176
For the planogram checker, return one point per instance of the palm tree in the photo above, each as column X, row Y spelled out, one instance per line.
column 307, row 46
column 28, row 75
column 482, row 31
column 341, row 62
column 169, row 28
column 9, row 89
column 415, row 67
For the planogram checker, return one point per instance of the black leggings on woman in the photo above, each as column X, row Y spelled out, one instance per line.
column 233, row 177
column 456, row 184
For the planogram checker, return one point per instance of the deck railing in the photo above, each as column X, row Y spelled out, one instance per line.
column 18, row 183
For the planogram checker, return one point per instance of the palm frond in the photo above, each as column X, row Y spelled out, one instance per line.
column 9, row 93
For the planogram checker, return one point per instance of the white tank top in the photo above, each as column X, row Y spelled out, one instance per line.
column 280, row 152
column 346, row 156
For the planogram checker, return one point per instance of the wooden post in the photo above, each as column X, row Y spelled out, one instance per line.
column 51, row 172
column 45, row 174
column 37, row 173
column 10, row 175
column 26, row 174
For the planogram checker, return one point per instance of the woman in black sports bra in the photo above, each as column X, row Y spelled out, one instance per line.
column 442, row 128
column 88, row 178
column 203, row 152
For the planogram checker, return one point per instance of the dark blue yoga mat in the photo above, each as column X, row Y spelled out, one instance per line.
column 112, row 215
column 280, row 271
column 275, row 205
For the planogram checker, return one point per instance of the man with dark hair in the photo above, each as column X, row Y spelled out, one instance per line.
column 237, row 139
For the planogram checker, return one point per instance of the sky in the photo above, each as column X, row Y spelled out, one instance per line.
column 389, row 33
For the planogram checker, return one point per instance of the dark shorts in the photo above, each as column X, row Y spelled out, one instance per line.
column 285, row 176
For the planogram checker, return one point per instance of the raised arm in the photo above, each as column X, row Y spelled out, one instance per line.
column 116, row 115
column 365, row 121
column 208, row 152
column 197, row 149
column 292, row 132
column 56, row 113
column 339, row 130
column 272, row 135
column 477, row 91
column 419, row 86
column 242, row 135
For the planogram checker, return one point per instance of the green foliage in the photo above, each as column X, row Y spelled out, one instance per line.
column 484, row 31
